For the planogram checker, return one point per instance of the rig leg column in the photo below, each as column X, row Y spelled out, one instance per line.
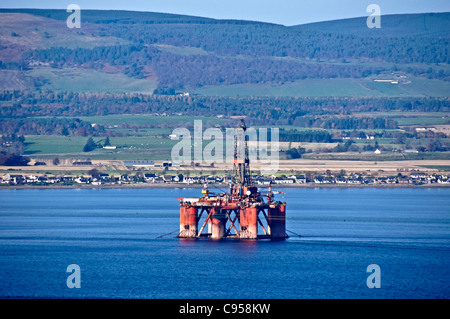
column 183, row 225
column 218, row 221
column 193, row 221
column 188, row 222
column 277, row 221
column 249, row 223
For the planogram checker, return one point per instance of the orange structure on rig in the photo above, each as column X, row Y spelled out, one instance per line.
column 240, row 212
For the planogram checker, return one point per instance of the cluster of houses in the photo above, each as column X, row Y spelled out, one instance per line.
column 416, row 178
column 260, row 180
column 413, row 179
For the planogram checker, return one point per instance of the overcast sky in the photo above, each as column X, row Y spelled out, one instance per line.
column 287, row 12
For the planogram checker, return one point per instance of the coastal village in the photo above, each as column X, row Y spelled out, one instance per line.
column 181, row 178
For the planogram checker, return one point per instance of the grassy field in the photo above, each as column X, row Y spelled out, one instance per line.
column 80, row 80
column 411, row 118
column 442, row 168
column 44, row 144
column 310, row 87
column 145, row 119
column 418, row 87
column 333, row 87
column 384, row 156
column 48, row 144
column 425, row 120
column 147, row 125
column 398, row 114
column 12, row 80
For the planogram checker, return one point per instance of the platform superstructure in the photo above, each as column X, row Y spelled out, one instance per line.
column 241, row 213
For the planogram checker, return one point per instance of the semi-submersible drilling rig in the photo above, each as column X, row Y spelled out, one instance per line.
column 237, row 213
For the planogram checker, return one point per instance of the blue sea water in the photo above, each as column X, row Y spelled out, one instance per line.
column 112, row 235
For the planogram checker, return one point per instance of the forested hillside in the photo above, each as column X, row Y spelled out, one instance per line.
column 151, row 63
column 188, row 52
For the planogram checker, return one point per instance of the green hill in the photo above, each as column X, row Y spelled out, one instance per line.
column 396, row 25
column 184, row 53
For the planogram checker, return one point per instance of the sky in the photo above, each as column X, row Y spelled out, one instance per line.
column 286, row 12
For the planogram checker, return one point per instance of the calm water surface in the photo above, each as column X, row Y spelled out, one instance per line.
column 112, row 235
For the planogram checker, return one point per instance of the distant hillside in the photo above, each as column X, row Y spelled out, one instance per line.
column 397, row 25
column 128, row 17
column 176, row 53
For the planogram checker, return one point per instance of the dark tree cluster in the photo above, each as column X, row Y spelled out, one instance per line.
column 264, row 110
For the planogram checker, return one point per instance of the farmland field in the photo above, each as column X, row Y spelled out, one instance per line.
column 144, row 119
column 44, row 144
column 11, row 80
column 333, row 87
column 423, row 120
column 79, row 80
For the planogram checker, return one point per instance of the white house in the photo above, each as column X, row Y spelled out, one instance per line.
column 32, row 179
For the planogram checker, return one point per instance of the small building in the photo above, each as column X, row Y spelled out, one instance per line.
column 283, row 181
column 425, row 129
column 419, row 175
column 150, row 177
column 32, row 179
column 85, row 163
column 142, row 163
column 403, row 180
column 14, row 179
column 104, row 176
column 265, row 181
column 42, row 179
column 300, row 179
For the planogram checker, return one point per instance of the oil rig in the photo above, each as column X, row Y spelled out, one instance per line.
column 240, row 213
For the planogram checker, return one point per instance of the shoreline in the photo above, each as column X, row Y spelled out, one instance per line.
column 220, row 186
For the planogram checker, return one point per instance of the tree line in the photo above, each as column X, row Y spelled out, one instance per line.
column 345, row 123
column 316, row 136
column 176, row 71
column 261, row 39
column 259, row 110
column 50, row 126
